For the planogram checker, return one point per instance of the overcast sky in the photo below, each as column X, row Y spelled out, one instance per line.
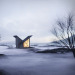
column 32, row 17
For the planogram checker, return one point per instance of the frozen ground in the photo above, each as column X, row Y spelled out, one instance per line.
column 24, row 62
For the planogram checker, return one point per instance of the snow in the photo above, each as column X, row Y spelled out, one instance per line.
column 6, row 51
column 25, row 62
column 46, row 48
column 41, row 46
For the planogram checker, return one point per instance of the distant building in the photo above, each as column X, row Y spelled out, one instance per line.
column 22, row 43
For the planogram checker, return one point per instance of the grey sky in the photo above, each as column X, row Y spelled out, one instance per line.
column 32, row 17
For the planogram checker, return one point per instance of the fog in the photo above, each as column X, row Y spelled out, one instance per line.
column 26, row 62
column 32, row 17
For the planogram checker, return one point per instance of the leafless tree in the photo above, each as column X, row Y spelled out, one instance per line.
column 65, row 33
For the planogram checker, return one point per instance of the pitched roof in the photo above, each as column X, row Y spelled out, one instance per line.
column 28, row 37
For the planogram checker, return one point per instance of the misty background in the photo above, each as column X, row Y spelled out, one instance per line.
column 32, row 17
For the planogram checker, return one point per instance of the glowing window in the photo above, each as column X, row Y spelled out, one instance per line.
column 26, row 43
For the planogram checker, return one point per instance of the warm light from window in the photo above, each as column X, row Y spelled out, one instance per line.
column 26, row 43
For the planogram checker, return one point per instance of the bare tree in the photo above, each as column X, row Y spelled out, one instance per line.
column 65, row 33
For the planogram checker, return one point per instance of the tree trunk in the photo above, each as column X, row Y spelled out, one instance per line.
column 73, row 50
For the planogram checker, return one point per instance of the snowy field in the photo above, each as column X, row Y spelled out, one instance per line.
column 25, row 62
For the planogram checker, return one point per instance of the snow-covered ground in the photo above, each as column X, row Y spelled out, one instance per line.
column 25, row 62
column 40, row 46
column 44, row 46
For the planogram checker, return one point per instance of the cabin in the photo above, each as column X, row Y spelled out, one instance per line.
column 22, row 43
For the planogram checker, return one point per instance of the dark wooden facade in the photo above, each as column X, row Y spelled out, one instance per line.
column 22, row 43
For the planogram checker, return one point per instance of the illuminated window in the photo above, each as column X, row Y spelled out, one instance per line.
column 26, row 43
